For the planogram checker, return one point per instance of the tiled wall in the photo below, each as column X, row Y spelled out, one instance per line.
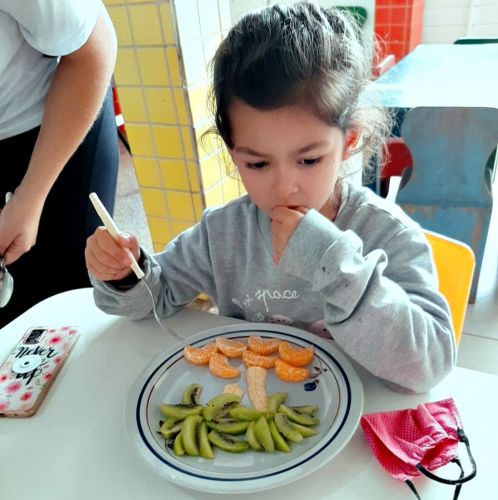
column 161, row 79
column 398, row 23
column 447, row 20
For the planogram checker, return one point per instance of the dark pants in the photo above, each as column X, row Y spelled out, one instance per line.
column 57, row 263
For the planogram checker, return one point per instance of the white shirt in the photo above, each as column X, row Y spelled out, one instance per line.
column 30, row 30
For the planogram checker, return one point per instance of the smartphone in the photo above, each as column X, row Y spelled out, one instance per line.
column 30, row 369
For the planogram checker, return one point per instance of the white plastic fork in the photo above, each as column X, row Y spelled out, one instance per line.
column 111, row 226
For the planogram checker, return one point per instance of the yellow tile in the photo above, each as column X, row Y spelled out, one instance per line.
column 152, row 63
column 174, row 175
column 230, row 189
column 132, row 104
column 174, row 67
column 160, row 105
column 210, row 172
column 119, row 16
column 139, row 1
column 197, row 97
column 145, row 25
column 168, row 141
column 114, row 2
column 126, row 69
column 147, row 172
column 181, row 108
column 178, row 226
column 214, row 196
column 187, row 143
column 180, row 205
column 198, row 206
column 153, row 200
column 194, row 176
column 167, row 23
column 140, row 140
column 159, row 231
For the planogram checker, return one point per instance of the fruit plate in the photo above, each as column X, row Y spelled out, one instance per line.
column 334, row 387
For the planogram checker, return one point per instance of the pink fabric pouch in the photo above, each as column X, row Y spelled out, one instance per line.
column 417, row 441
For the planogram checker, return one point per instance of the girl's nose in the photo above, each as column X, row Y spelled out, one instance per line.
column 285, row 183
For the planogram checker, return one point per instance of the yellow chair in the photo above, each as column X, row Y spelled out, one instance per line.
column 455, row 264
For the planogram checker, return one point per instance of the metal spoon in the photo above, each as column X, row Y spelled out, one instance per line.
column 6, row 284
column 6, row 280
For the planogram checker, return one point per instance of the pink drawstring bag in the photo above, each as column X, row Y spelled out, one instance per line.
column 416, row 441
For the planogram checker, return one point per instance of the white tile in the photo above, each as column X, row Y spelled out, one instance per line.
column 193, row 61
column 443, row 34
column 209, row 17
column 486, row 14
column 446, row 16
column 478, row 353
column 187, row 18
column 225, row 17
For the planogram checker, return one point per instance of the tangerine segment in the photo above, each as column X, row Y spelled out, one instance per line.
column 297, row 356
column 230, row 348
column 199, row 355
column 219, row 366
column 261, row 345
column 289, row 373
column 251, row 358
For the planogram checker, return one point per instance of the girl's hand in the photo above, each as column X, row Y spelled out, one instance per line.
column 284, row 221
column 106, row 258
column 19, row 220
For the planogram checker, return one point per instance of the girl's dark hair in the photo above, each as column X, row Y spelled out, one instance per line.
column 298, row 55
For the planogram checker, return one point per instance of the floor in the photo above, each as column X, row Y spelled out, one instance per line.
column 479, row 345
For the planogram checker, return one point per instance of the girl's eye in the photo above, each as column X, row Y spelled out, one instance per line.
column 257, row 166
column 309, row 162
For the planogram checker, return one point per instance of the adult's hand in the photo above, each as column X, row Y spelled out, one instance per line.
column 19, row 222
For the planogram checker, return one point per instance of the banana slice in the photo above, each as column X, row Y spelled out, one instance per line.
column 256, row 386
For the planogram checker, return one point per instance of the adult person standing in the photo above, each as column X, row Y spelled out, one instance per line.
column 58, row 141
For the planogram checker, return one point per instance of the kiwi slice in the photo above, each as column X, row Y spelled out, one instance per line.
column 205, row 449
column 298, row 418
column 251, row 437
column 274, row 401
column 263, row 434
column 284, row 427
column 227, row 443
column 180, row 411
column 244, row 413
column 171, row 428
column 189, row 434
column 230, row 426
column 219, row 404
column 191, row 394
column 279, row 440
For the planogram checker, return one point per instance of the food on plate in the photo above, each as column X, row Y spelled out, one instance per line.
column 229, row 347
column 296, row 356
column 290, row 373
column 193, row 430
column 250, row 358
column 191, row 394
column 233, row 389
column 261, row 345
column 219, row 406
column 256, row 386
column 199, row 355
column 219, row 366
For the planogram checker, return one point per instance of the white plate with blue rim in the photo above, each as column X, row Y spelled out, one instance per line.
column 333, row 386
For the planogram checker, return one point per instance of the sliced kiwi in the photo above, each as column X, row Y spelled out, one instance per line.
column 284, row 427
column 274, row 401
column 227, row 443
column 191, row 394
column 303, row 429
column 205, row 449
column 171, row 428
column 219, row 404
column 189, row 434
column 178, row 448
column 229, row 426
column 308, row 409
column 298, row 418
column 244, row 413
column 263, row 434
column 251, row 437
column 279, row 440
column 180, row 411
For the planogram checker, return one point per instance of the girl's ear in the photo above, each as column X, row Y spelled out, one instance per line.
column 351, row 140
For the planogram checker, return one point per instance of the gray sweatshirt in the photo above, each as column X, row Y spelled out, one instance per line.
column 367, row 279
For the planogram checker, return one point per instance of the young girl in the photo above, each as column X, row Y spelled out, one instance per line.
column 305, row 247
